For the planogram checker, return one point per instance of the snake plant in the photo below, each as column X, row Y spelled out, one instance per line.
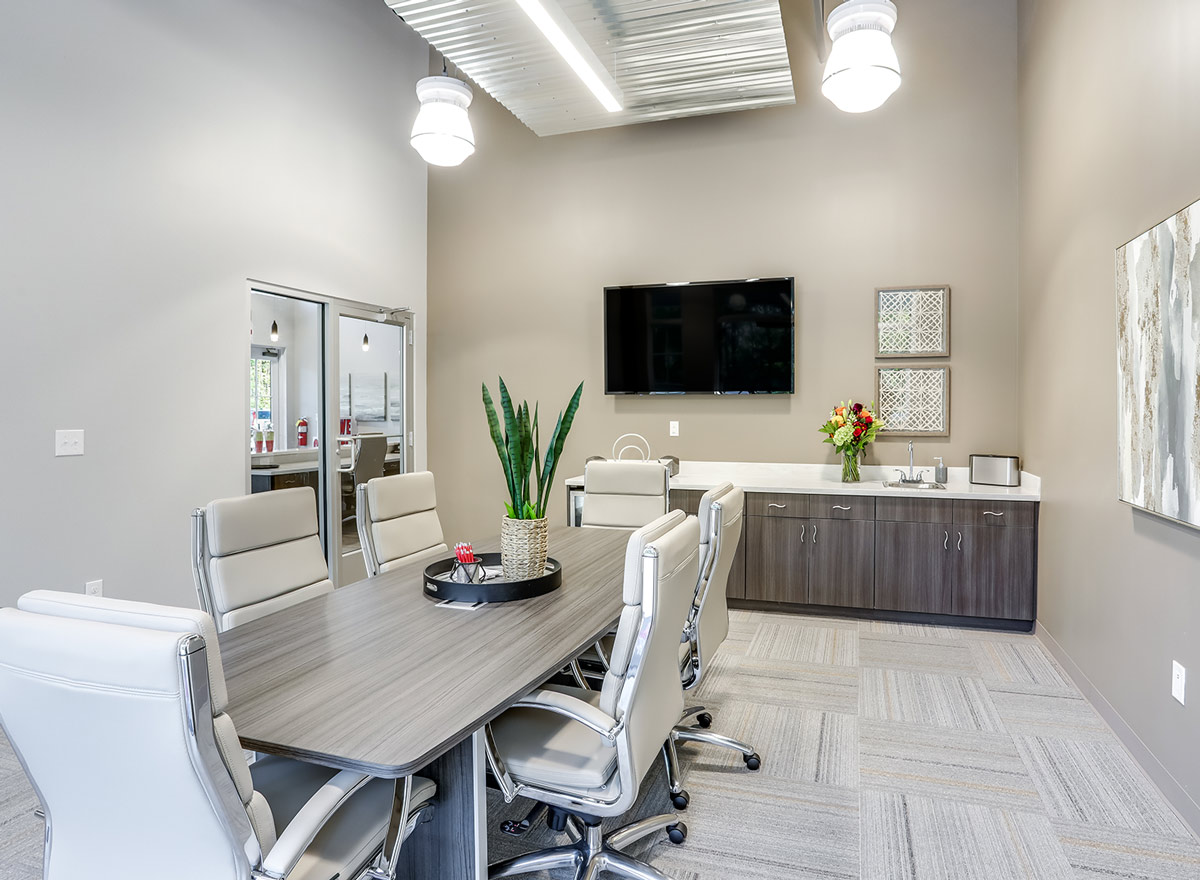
column 519, row 448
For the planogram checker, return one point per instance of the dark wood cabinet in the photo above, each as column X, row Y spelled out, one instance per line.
column 841, row 562
column 994, row 572
column 776, row 559
column 914, row 567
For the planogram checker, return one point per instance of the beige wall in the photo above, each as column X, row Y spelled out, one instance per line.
column 1110, row 126
column 524, row 236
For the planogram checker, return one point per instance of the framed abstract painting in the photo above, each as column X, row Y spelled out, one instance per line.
column 1158, row 368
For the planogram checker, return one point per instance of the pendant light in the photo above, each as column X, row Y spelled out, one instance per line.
column 366, row 343
column 274, row 331
column 442, row 132
column 863, row 70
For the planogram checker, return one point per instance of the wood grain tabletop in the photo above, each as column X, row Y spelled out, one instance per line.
column 377, row 677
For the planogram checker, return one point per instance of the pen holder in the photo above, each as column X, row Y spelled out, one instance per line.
column 467, row 572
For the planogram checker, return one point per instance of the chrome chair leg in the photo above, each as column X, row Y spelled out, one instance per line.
column 595, row 852
column 546, row 860
column 635, row 831
column 679, row 797
column 623, row 866
column 691, row 734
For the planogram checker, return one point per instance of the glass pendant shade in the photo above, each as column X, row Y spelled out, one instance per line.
column 274, row 331
column 862, row 71
column 442, row 132
column 366, row 343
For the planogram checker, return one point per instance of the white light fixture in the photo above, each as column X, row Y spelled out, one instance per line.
column 442, row 132
column 569, row 43
column 274, row 331
column 863, row 70
column 366, row 343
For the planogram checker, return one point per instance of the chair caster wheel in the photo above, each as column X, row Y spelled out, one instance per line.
column 680, row 800
column 753, row 762
column 677, row 833
column 704, row 720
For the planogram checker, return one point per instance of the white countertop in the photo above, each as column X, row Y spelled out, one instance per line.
column 826, row 479
column 297, row 465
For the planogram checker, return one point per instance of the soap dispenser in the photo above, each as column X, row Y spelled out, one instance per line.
column 940, row 474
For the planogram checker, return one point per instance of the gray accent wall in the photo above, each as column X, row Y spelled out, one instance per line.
column 155, row 156
column 1109, row 134
column 525, row 235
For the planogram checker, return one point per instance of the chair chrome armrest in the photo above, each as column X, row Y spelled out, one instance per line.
column 294, row 840
column 575, row 709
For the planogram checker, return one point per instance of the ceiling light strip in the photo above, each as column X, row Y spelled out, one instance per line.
column 558, row 29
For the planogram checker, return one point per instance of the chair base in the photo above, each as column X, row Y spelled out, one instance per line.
column 595, row 852
column 684, row 733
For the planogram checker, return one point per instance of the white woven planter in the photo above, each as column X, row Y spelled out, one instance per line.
column 523, row 547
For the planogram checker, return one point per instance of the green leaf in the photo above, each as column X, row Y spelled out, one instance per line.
column 501, row 446
column 512, row 437
column 557, row 441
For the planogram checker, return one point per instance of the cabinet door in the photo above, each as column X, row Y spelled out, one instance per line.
column 914, row 567
column 842, row 563
column 736, row 588
column 776, row 561
column 994, row 576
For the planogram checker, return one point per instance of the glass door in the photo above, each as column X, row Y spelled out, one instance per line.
column 374, row 412
column 286, row 394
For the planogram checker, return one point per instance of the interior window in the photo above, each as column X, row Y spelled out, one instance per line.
column 266, row 414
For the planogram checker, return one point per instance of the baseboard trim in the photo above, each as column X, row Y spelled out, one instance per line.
column 1176, row 795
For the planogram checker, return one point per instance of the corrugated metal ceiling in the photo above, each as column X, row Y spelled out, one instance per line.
column 670, row 57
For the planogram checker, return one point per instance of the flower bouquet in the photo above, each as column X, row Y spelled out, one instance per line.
column 850, row 427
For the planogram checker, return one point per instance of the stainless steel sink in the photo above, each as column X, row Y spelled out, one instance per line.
column 897, row 484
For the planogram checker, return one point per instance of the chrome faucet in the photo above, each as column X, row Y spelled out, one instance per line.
column 912, row 477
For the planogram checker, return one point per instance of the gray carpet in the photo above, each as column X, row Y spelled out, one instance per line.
column 891, row 752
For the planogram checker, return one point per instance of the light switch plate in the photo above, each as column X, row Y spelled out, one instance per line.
column 68, row 442
column 674, row 426
column 94, row 588
column 1178, row 680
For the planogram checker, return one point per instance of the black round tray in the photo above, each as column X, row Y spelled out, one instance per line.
column 496, row 590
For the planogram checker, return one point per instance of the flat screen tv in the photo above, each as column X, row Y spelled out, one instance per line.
column 712, row 337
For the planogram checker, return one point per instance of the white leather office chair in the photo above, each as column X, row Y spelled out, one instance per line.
column 116, row 711
column 398, row 521
column 257, row 554
column 624, row 494
column 584, row 753
column 721, row 511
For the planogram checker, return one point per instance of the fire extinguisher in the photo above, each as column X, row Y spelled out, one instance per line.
column 302, row 432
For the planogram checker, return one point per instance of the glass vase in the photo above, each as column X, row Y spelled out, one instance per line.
column 849, row 467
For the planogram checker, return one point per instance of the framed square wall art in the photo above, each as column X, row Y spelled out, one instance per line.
column 912, row 322
column 913, row 401
column 1158, row 369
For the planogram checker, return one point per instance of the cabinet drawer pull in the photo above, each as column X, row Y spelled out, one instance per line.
column 960, row 540
column 992, row 513
column 814, row 533
column 802, row 528
column 839, row 507
column 946, row 543
column 777, row 506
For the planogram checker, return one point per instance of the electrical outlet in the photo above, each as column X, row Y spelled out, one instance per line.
column 674, row 426
column 1178, row 680
column 94, row 588
column 68, row 442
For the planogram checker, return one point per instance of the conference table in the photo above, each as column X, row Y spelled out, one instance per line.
column 379, row 678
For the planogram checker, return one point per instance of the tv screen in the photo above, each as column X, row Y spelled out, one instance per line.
column 722, row 337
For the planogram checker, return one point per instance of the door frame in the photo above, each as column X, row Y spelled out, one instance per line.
column 332, row 309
